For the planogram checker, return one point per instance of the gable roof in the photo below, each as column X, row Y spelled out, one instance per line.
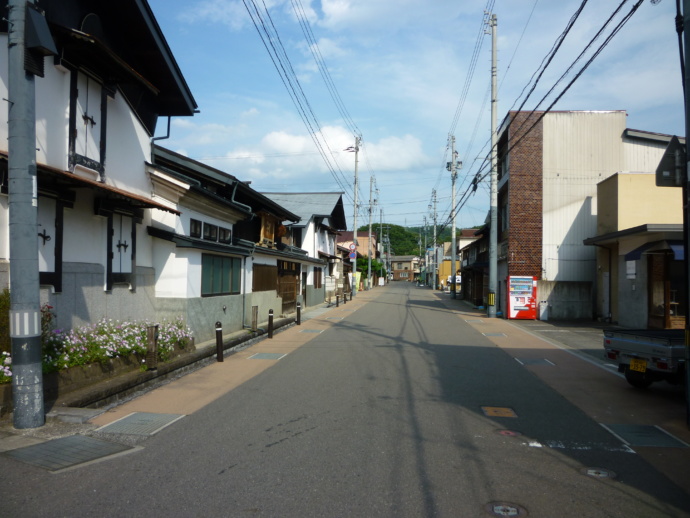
column 308, row 205
column 214, row 183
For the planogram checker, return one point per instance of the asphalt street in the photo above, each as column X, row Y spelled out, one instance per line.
column 399, row 403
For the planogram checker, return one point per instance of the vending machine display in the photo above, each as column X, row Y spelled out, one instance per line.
column 522, row 298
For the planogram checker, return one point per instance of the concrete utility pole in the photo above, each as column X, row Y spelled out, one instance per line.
column 433, row 274
column 686, row 200
column 25, row 314
column 354, row 230
column 381, row 244
column 493, row 234
column 453, row 176
column 371, row 207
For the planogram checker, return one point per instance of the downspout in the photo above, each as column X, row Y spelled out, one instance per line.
column 244, row 291
column 246, row 207
column 164, row 137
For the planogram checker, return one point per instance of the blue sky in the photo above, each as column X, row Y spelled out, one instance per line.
column 402, row 70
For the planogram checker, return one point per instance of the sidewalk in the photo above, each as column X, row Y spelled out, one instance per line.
column 187, row 391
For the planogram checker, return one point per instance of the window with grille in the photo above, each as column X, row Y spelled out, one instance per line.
column 220, row 275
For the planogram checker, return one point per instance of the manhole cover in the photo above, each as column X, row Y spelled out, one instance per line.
column 311, row 331
column 141, row 423
column 266, row 356
column 598, row 473
column 493, row 334
column 505, row 509
column 66, row 452
column 334, row 318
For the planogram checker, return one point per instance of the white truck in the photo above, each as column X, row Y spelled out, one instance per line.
column 647, row 355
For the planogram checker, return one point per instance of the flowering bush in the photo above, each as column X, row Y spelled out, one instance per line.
column 100, row 342
column 5, row 367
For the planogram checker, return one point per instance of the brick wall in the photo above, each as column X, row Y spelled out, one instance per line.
column 525, row 196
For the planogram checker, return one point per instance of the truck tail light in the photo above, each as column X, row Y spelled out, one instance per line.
column 661, row 365
column 612, row 355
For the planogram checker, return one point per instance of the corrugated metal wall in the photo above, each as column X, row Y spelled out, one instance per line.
column 580, row 150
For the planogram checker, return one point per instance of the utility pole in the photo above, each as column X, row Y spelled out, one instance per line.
column 25, row 315
column 433, row 274
column 452, row 166
column 686, row 201
column 354, row 222
column 426, row 256
column 371, row 206
column 493, row 234
column 382, row 243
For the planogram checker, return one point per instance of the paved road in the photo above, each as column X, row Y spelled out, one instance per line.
column 399, row 403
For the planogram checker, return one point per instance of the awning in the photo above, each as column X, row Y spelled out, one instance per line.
column 676, row 247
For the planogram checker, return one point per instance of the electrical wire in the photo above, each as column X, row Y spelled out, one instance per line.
column 281, row 61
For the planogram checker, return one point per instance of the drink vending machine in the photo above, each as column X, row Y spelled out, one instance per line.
column 522, row 297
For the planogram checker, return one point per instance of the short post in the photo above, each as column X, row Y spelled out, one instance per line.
column 152, row 347
column 270, row 323
column 344, row 297
column 219, row 341
column 337, row 301
column 255, row 318
column 298, row 320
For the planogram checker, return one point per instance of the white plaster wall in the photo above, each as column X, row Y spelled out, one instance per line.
column 85, row 236
column 52, row 116
column 144, row 241
column 171, row 266
column 128, row 148
column 4, row 228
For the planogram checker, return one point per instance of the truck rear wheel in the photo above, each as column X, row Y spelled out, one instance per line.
column 640, row 380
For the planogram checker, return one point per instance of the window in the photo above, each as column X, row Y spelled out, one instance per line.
column 88, row 123
column 400, row 267
column 210, row 232
column 318, row 277
column 123, row 236
column 194, row 228
column 220, row 275
column 265, row 278
column 224, row 235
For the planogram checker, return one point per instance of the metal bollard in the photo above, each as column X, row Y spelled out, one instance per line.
column 219, row 341
column 344, row 297
column 337, row 301
column 298, row 320
column 270, row 323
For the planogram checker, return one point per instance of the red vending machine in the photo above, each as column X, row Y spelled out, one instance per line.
column 522, row 297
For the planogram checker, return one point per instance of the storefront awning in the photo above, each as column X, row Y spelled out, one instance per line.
column 676, row 247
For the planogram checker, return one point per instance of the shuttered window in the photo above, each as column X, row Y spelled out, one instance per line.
column 265, row 278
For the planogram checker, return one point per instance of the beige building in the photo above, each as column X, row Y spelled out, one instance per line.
column 640, row 281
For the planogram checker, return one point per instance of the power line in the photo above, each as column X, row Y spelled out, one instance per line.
column 281, row 62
